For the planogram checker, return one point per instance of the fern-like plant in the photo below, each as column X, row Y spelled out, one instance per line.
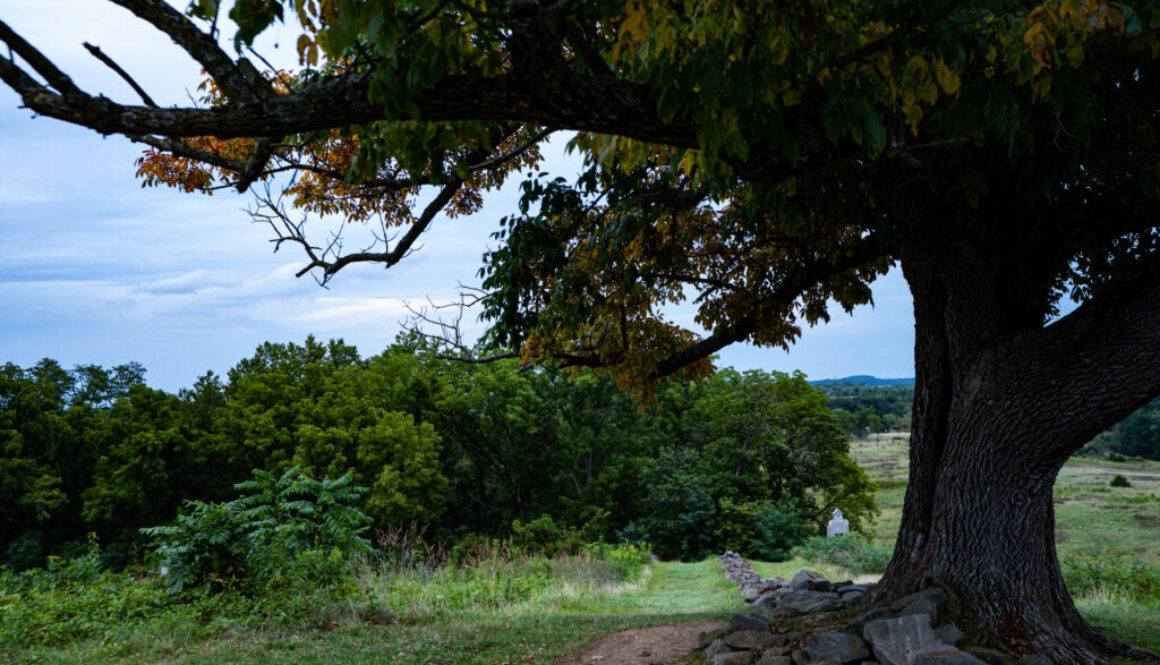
column 279, row 526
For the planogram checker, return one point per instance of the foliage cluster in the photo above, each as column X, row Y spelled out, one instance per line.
column 457, row 448
column 1119, row 480
column 847, row 551
column 71, row 599
column 767, row 463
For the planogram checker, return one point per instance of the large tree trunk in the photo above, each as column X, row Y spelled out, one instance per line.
column 996, row 414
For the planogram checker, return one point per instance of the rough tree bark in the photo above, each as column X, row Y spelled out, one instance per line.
column 998, row 409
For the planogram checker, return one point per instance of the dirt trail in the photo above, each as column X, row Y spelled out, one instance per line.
column 654, row 645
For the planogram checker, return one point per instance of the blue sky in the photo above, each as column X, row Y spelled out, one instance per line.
column 98, row 270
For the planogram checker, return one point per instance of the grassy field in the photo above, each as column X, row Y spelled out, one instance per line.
column 1094, row 521
column 1091, row 516
column 536, row 630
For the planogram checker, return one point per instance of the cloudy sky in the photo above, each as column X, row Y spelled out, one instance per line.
column 98, row 270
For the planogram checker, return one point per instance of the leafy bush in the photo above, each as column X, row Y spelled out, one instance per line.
column 543, row 535
column 1120, row 481
column 1108, row 572
column 290, row 529
column 778, row 529
column 847, row 551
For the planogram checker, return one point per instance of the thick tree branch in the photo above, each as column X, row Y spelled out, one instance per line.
column 39, row 63
column 1101, row 362
column 201, row 46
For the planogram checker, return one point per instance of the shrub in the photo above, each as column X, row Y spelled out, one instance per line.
column 543, row 535
column 847, row 551
column 1116, row 457
column 778, row 529
column 287, row 530
column 1120, row 481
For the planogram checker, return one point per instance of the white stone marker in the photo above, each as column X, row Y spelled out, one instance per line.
column 837, row 526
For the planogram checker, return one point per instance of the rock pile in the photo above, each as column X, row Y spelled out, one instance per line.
column 915, row 630
column 807, row 593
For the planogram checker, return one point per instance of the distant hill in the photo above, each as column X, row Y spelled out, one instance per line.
column 865, row 380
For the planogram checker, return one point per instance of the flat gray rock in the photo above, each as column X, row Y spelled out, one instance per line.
column 947, row 657
column 768, row 658
column 733, row 658
column 935, row 594
column 838, row 647
column 899, row 640
column 749, row 621
column 951, row 634
column 708, row 637
column 750, row 639
column 922, row 605
column 801, row 601
column 715, row 647
column 804, row 577
column 1035, row 659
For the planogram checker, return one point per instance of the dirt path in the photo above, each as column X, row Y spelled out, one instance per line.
column 641, row 646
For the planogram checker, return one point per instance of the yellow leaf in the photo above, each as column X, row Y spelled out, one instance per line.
column 948, row 80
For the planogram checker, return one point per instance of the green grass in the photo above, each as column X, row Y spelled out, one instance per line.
column 1090, row 515
column 1092, row 519
column 548, row 623
column 786, row 569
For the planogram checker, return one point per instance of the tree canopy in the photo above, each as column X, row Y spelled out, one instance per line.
column 765, row 160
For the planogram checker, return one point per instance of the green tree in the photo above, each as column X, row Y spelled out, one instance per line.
column 771, row 158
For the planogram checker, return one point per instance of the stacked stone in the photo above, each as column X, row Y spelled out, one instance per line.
column 738, row 571
column 810, row 593
column 915, row 630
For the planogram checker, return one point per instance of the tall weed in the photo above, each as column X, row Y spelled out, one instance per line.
column 1109, row 574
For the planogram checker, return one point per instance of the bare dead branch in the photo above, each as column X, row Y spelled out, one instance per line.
column 100, row 55
column 449, row 330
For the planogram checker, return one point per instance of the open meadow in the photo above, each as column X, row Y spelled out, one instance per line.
column 1091, row 516
column 1107, row 537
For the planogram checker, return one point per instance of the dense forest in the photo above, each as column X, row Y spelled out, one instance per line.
column 750, row 461
column 866, row 408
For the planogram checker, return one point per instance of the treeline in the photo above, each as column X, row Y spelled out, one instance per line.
column 868, row 409
column 1138, row 435
column 753, row 462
